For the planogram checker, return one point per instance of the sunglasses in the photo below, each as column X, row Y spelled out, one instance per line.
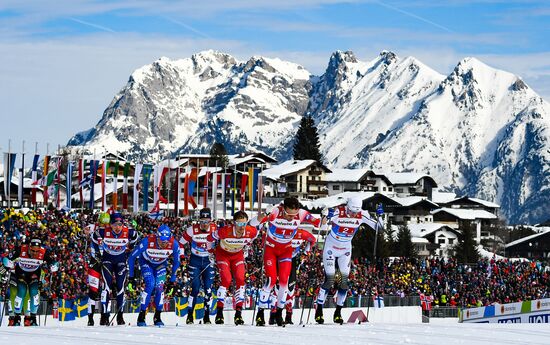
column 240, row 223
column 292, row 213
column 204, row 221
column 117, row 224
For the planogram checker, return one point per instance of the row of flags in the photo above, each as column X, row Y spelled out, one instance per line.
column 71, row 309
column 88, row 172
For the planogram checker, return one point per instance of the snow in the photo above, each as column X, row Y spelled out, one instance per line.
column 440, row 197
column 405, row 177
column 345, row 175
column 467, row 214
column 424, row 229
column 286, row 168
column 444, row 331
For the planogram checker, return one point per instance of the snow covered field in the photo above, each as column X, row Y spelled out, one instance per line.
column 446, row 332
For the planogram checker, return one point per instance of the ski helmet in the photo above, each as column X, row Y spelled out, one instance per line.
column 205, row 213
column 104, row 218
column 164, row 233
column 116, row 217
column 354, row 205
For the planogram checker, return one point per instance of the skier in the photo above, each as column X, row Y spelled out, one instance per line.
column 201, row 265
column 284, row 221
column 230, row 259
column 345, row 220
column 153, row 253
column 94, row 269
column 31, row 260
column 114, row 241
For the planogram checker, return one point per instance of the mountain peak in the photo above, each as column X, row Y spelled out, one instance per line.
column 339, row 57
column 387, row 56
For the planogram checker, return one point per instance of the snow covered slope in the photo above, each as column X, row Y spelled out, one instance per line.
column 479, row 130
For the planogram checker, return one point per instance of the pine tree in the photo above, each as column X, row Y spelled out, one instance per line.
column 363, row 244
column 306, row 142
column 405, row 247
column 218, row 155
column 466, row 248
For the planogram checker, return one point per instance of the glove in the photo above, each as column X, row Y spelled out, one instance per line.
column 212, row 259
column 131, row 284
column 379, row 210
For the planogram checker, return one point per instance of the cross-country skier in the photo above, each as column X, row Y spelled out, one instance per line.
column 230, row 261
column 284, row 221
column 153, row 253
column 31, row 260
column 94, row 268
column 201, row 265
column 345, row 220
column 114, row 241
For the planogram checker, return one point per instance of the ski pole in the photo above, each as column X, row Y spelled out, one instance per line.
column 374, row 260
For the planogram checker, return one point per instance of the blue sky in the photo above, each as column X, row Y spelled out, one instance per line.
column 62, row 61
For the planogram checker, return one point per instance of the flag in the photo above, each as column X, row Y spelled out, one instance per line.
column 114, row 201
column 156, row 183
column 69, row 181
column 233, row 192
column 21, row 186
column 199, row 308
column 147, row 170
column 163, row 173
column 104, row 172
column 57, row 185
column 378, row 301
column 244, row 179
column 66, row 310
column 34, row 176
column 81, row 307
column 9, row 164
column 181, row 306
column 93, row 172
column 213, row 303
column 81, row 163
column 44, row 174
column 85, row 182
column 137, row 174
column 135, row 306
column 125, row 186
column 155, row 212
column 260, row 192
column 215, row 195
column 205, row 188
column 252, row 185
column 177, row 193
column 224, row 205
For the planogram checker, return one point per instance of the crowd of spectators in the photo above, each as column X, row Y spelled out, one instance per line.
column 450, row 283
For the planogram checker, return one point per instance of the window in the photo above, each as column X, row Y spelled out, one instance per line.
column 451, row 240
column 300, row 188
column 384, row 189
column 441, row 241
column 390, row 189
column 336, row 187
column 399, row 190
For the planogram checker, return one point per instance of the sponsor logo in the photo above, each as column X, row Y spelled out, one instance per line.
column 510, row 320
column 348, row 222
column 115, row 241
column 538, row 304
column 329, row 252
column 502, row 309
column 544, row 318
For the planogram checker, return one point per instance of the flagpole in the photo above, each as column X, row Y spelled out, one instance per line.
column 197, row 187
column 33, row 198
column 21, row 190
column 8, row 177
column 169, row 184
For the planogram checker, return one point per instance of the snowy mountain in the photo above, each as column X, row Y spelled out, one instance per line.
column 479, row 130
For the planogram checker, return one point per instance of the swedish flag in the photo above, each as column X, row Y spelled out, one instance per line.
column 135, row 306
column 213, row 304
column 181, row 306
column 66, row 310
column 81, row 307
column 199, row 308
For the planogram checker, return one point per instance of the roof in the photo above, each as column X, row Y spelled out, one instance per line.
column 476, row 200
column 466, row 213
column 335, row 200
column 406, row 177
column 288, row 167
column 346, row 175
column 528, row 238
column 425, row 229
column 411, row 200
column 440, row 197
column 238, row 159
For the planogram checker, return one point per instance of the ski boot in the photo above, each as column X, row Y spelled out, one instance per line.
column 32, row 320
column 319, row 314
column 91, row 319
column 279, row 317
column 104, row 319
column 141, row 319
column 27, row 321
column 120, row 319
column 272, row 313
column 288, row 318
column 156, row 319
column 260, row 321
column 206, row 317
column 219, row 316
column 17, row 320
column 238, row 318
column 337, row 318
column 190, row 320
